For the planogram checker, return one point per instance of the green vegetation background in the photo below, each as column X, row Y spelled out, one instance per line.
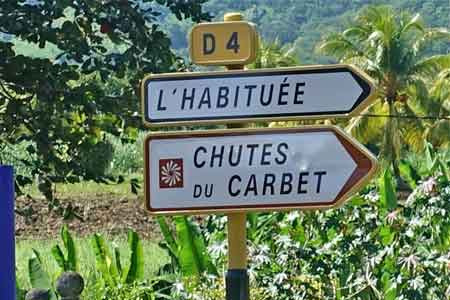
column 304, row 23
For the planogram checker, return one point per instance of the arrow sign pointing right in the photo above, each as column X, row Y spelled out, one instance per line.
column 264, row 95
column 253, row 170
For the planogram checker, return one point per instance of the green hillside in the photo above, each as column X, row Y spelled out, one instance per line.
column 302, row 23
column 305, row 22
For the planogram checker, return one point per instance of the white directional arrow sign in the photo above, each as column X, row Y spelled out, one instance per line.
column 267, row 94
column 253, row 170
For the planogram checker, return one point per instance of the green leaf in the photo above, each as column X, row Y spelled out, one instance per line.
column 387, row 236
column 118, row 261
column 168, row 236
column 39, row 278
column 135, row 186
column 444, row 169
column 253, row 222
column 20, row 293
column 299, row 233
column 72, row 262
column 103, row 260
column 434, row 166
column 58, row 255
column 386, row 187
column 135, row 269
column 189, row 255
column 357, row 201
column 192, row 251
column 429, row 156
column 344, row 275
column 408, row 174
column 390, row 291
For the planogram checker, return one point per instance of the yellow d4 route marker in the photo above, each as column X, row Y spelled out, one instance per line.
column 223, row 43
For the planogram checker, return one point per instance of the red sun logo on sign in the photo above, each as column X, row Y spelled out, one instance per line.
column 171, row 173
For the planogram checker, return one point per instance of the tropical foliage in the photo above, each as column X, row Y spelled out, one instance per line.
column 273, row 54
column 186, row 247
column 391, row 47
column 374, row 247
column 68, row 108
column 116, row 276
column 78, row 78
column 377, row 246
column 303, row 23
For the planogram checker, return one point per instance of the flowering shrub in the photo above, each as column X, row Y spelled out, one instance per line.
column 366, row 249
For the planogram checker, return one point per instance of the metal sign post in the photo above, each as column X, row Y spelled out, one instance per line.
column 7, row 250
column 237, row 285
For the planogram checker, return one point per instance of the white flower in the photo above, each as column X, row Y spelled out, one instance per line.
column 171, row 173
column 415, row 222
column 372, row 196
column 392, row 217
column 446, row 191
column 409, row 262
column 359, row 232
column 428, row 186
column 417, row 283
column 179, row 287
column 280, row 277
column 292, row 216
column 282, row 259
column 412, row 197
column 218, row 249
column 409, row 233
column 283, row 241
column 261, row 259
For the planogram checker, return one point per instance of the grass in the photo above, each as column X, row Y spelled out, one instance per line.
column 154, row 257
column 127, row 160
column 86, row 189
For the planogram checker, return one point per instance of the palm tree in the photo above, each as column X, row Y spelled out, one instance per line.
column 273, row 55
column 434, row 100
column 392, row 48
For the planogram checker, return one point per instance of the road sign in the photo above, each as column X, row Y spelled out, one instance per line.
column 7, row 227
column 256, row 95
column 253, row 170
column 223, row 43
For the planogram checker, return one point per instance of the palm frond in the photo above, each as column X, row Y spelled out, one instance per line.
column 341, row 47
column 376, row 36
column 272, row 54
column 433, row 34
column 357, row 32
column 431, row 66
column 375, row 16
column 439, row 135
column 414, row 23
column 441, row 86
column 412, row 129
column 367, row 129
column 420, row 98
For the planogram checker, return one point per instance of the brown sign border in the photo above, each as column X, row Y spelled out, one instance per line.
column 367, row 167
